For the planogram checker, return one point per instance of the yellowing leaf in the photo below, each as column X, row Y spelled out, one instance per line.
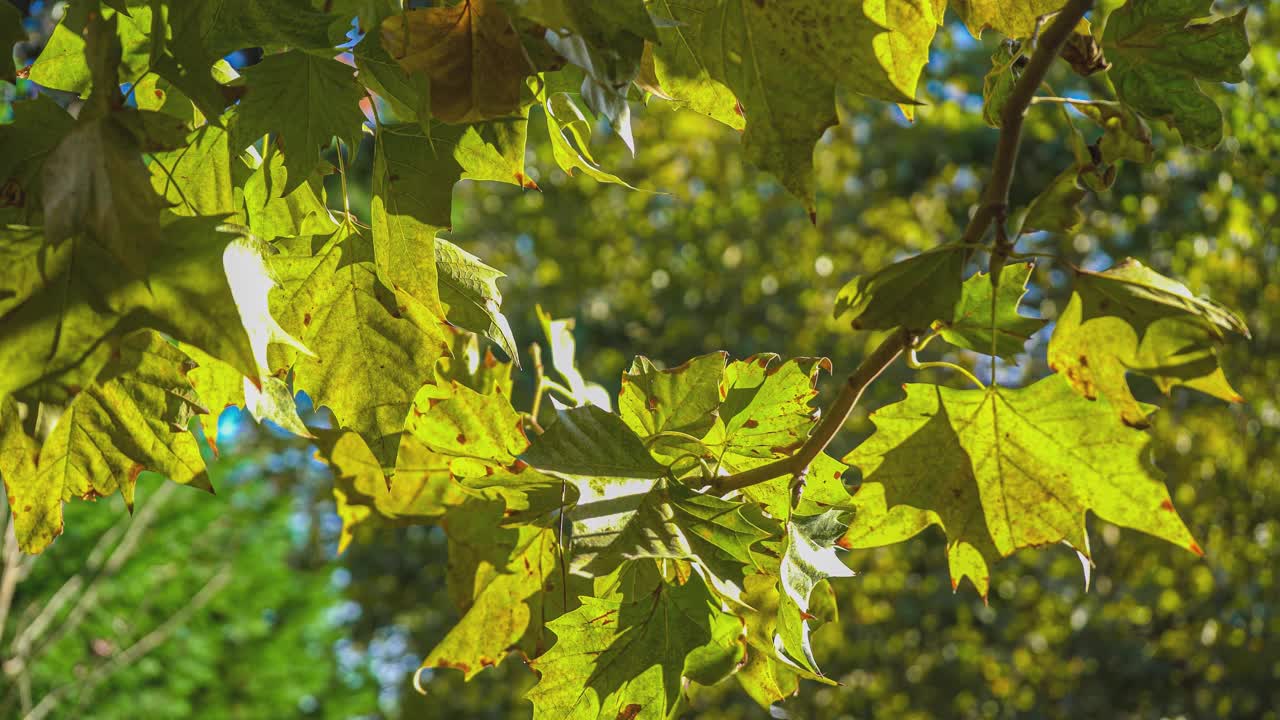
column 471, row 53
column 1013, row 18
column 1159, row 51
column 682, row 399
column 1000, row 470
column 623, row 656
column 133, row 418
column 1132, row 319
column 511, row 582
column 782, row 62
column 369, row 362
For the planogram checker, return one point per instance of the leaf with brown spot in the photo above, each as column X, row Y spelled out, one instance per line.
column 1132, row 319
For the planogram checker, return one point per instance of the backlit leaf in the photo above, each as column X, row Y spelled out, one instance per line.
column 132, row 418
column 470, row 52
column 977, row 319
column 912, row 293
column 1003, row 469
column 306, row 101
column 1132, row 319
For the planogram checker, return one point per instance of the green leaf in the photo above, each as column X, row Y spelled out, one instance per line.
column 809, row 557
column 211, row 29
column 196, row 179
column 421, row 492
column 479, row 433
column 369, row 361
column 672, row 522
column 1132, row 319
column 978, row 321
column 305, row 100
column 1000, row 470
column 470, row 296
column 419, row 170
column 559, row 334
column 482, row 373
column 623, row 656
column 38, row 126
column 682, row 399
column 94, row 182
column 765, row 411
column 133, row 418
column 19, row 454
column 1057, row 208
column 1012, row 18
column 1126, row 136
column 783, row 73
column 998, row 83
column 589, row 441
column 1159, row 51
column 608, row 465
column 911, row 293
column 570, row 130
column 471, row 54
column 57, row 307
column 511, row 583
column 62, row 65
column 220, row 386
column 69, row 300
column 272, row 214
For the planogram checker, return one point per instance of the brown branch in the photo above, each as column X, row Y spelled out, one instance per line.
column 833, row 418
column 995, row 198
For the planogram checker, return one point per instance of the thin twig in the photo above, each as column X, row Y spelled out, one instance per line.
column 833, row 418
column 144, row 645
column 9, row 574
column 995, row 198
column 539, row 376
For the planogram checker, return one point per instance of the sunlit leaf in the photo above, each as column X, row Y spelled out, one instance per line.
column 1132, row 319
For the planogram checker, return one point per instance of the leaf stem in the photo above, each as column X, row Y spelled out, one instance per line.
column 535, row 351
column 915, row 364
column 995, row 199
column 833, row 418
column 1072, row 101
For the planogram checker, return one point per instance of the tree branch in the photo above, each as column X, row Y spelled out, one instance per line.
column 995, row 198
column 833, row 418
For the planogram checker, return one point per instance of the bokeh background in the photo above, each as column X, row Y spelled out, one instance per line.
column 237, row 606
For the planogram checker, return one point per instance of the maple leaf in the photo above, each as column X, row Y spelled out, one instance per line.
column 1000, row 470
column 622, row 656
column 1159, row 51
column 978, row 322
column 470, row 52
column 910, row 293
column 307, row 101
column 132, row 418
column 509, row 582
column 369, row 361
column 787, row 60
column 1132, row 319
column 1013, row 18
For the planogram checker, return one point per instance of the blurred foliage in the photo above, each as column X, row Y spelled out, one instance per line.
column 714, row 254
